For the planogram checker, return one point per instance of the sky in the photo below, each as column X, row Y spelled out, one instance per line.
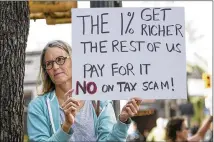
column 199, row 14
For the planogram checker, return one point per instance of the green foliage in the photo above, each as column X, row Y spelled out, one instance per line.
column 198, row 105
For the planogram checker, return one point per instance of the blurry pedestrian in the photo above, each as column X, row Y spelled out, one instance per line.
column 176, row 130
column 194, row 129
column 134, row 134
column 157, row 133
column 145, row 134
column 209, row 135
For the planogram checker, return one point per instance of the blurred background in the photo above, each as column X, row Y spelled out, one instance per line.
column 51, row 20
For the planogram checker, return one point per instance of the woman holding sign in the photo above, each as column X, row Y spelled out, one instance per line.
column 56, row 116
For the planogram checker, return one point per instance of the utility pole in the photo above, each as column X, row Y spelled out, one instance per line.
column 102, row 4
column 99, row 4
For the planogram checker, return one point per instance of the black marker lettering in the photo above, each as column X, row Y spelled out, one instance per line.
column 120, row 83
column 164, row 12
column 95, row 25
column 102, row 47
column 114, row 45
column 177, row 29
column 155, row 14
column 146, row 17
column 146, row 68
column 123, row 46
column 83, row 23
column 102, row 23
column 129, row 67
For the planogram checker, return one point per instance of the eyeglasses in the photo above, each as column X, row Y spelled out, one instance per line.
column 59, row 61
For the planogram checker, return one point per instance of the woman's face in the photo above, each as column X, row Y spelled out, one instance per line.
column 183, row 133
column 59, row 73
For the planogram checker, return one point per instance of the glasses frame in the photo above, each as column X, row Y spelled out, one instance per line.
column 54, row 61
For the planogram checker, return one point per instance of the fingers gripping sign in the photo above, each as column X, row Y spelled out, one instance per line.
column 130, row 109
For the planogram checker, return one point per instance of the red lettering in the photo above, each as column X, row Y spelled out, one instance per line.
column 83, row 88
column 90, row 87
column 94, row 90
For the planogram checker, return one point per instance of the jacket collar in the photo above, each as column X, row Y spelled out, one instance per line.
column 53, row 103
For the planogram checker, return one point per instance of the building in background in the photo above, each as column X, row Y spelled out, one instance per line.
column 32, row 62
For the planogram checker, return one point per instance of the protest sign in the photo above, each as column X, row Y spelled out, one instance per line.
column 120, row 53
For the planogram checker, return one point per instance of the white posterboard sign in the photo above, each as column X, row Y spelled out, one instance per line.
column 120, row 53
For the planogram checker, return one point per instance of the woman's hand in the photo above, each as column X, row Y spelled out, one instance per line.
column 130, row 109
column 69, row 107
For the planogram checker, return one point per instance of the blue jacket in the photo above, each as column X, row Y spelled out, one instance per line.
column 43, row 121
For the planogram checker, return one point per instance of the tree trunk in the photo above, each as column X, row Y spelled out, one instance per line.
column 14, row 28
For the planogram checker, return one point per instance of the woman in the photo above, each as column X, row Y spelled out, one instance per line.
column 177, row 131
column 56, row 116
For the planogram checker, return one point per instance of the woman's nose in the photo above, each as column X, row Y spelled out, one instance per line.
column 55, row 65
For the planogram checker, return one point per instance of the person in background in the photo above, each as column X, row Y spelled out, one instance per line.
column 209, row 135
column 145, row 134
column 157, row 133
column 56, row 116
column 134, row 134
column 194, row 129
column 176, row 130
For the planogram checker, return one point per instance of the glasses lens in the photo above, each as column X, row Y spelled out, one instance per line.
column 48, row 65
column 60, row 60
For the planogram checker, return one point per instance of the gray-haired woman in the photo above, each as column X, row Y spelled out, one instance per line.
column 56, row 116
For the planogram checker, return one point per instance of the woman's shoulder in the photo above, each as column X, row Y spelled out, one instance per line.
column 38, row 101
